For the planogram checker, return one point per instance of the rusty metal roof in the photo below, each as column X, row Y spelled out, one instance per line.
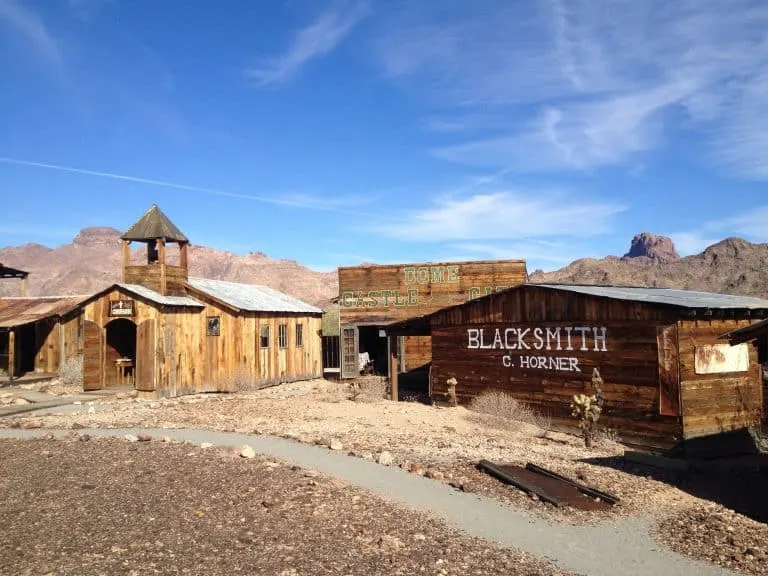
column 17, row 311
column 154, row 225
column 667, row 296
column 8, row 272
column 251, row 297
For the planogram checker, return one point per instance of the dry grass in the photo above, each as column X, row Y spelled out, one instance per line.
column 71, row 372
column 502, row 410
column 242, row 380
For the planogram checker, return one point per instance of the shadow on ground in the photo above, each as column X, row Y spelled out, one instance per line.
column 740, row 485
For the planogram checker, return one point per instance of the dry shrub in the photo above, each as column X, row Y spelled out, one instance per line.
column 71, row 372
column 501, row 409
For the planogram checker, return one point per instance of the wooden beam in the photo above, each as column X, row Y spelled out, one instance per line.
column 126, row 253
column 161, row 260
column 183, row 262
column 24, row 290
column 393, row 367
column 12, row 353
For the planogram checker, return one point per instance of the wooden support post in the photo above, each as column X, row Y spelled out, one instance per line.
column 393, row 366
column 12, row 353
column 161, row 260
column 183, row 255
column 126, row 253
column 24, row 287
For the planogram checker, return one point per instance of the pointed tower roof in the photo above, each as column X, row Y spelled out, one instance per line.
column 154, row 225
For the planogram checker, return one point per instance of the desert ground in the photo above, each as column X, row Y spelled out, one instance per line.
column 690, row 513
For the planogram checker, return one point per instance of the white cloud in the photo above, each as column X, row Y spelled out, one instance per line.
column 313, row 41
column 751, row 225
column 27, row 24
column 501, row 215
column 591, row 83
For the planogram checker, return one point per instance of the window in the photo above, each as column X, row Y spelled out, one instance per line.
column 299, row 335
column 282, row 335
column 213, row 326
column 265, row 336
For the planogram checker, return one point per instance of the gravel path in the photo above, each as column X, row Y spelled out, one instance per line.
column 621, row 546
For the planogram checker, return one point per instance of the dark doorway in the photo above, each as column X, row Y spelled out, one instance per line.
column 26, row 348
column 120, row 357
column 376, row 346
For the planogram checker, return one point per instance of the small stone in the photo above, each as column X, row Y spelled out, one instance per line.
column 144, row 437
column 167, row 439
column 84, row 437
column 419, row 537
column 77, row 426
column 21, row 401
column 205, row 445
column 77, row 402
column 272, row 465
column 434, row 474
column 388, row 542
column 91, row 410
column 336, row 445
column 48, row 436
column 366, row 456
column 415, row 468
column 247, row 452
column 131, row 438
column 385, row 458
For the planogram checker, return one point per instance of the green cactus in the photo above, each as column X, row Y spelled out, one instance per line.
column 588, row 409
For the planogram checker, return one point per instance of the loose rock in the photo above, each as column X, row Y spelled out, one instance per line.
column 385, row 458
column 247, row 452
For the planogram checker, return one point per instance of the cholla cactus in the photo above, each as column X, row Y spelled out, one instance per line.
column 588, row 409
column 451, row 393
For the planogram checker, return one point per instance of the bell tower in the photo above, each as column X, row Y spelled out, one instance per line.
column 156, row 231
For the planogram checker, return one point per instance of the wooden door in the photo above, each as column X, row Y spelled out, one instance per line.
column 93, row 352
column 145, row 356
column 349, row 352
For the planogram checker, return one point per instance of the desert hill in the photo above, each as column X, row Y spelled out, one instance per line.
column 92, row 261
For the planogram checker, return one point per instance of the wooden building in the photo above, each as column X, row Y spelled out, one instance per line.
column 7, row 272
column 668, row 374
column 31, row 337
column 373, row 296
column 168, row 334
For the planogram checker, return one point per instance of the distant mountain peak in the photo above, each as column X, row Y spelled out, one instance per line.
column 97, row 236
column 652, row 249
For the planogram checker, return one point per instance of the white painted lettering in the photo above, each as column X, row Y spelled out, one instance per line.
column 537, row 332
column 483, row 345
column 506, row 360
column 410, row 275
column 453, row 274
column 583, row 330
column 553, row 334
column 507, row 344
column 568, row 333
column 600, row 338
column 520, row 339
column 497, row 339
column 525, row 362
column 574, row 364
column 422, row 275
column 473, row 338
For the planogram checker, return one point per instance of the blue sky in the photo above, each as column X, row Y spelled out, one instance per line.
column 388, row 131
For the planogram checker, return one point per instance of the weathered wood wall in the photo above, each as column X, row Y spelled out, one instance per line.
column 720, row 400
column 418, row 351
column 627, row 359
column 653, row 398
column 189, row 360
column 388, row 293
column 162, row 278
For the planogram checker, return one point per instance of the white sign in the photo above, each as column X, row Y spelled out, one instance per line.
column 538, row 338
column 721, row 358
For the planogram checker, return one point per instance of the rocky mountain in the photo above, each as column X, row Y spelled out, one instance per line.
column 93, row 261
column 732, row 266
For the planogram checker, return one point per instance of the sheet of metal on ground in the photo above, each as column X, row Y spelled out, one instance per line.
column 549, row 486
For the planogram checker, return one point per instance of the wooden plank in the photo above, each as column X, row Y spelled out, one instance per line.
column 93, row 344
column 669, row 371
column 393, row 369
column 145, row 356
column 381, row 294
column 349, row 352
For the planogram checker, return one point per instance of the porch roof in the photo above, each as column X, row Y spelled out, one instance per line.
column 18, row 311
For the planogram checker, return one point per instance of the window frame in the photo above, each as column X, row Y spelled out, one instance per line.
column 282, row 335
column 262, row 336
column 299, row 335
column 208, row 331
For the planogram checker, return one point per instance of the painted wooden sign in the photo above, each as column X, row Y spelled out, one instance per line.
column 536, row 347
column 389, row 293
column 721, row 358
column 121, row 308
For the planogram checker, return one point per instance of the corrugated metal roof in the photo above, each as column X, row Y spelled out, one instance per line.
column 668, row 296
column 158, row 298
column 17, row 311
column 154, row 225
column 251, row 297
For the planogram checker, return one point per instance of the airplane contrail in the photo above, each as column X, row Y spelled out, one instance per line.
column 114, row 176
